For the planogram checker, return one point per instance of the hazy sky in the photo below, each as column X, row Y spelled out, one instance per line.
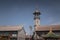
column 17, row 12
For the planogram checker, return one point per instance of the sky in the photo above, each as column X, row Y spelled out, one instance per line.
column 20, row 12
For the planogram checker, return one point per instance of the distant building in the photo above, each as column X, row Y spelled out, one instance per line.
column 43, row 30
column 12, row 33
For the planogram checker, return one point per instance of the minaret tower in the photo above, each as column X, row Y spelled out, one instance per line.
column 36, row 22
column 36, row 18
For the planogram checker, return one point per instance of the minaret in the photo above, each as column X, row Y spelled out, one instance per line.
column 36, row 22
column 36, row 18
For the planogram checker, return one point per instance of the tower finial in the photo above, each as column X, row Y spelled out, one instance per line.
column 37, row 8
column 50, row 29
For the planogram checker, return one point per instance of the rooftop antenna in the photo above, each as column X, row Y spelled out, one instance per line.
column 36, row 8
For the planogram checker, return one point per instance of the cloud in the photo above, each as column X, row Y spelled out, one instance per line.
column 50, row 20
column 57, row 23
column 53, row 21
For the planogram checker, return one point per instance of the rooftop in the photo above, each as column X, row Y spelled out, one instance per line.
column 10, row 28
column 45, row 28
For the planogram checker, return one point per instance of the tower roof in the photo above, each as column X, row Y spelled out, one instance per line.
column 36, row 12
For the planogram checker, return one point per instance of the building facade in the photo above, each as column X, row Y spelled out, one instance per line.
column 43, row 30
column 12, row 33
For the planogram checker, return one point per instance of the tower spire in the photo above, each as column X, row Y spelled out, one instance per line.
column 36, row 8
